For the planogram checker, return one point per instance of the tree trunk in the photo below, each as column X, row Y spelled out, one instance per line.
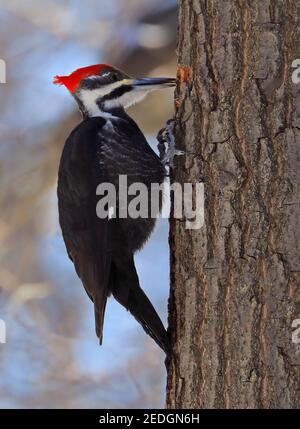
column 235, row 281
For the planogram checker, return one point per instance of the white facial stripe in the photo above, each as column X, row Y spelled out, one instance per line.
column 101, row 92
column 93, row 77
column 89, row 97
column 126, row 100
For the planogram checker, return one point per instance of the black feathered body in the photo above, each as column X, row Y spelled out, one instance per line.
column 98, row 151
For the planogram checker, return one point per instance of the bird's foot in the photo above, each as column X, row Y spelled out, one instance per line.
column 166, row 137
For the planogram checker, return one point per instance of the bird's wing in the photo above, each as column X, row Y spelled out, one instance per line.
column 86, row 236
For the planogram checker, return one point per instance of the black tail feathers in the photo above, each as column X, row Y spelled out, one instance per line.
column 127, row 291
column 99, row 309
column 143, row 311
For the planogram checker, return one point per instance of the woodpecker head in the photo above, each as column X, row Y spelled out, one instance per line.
column 100, row 89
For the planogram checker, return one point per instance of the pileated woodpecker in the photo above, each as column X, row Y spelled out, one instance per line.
column 106, row 144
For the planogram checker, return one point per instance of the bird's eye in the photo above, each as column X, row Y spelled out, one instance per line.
column 114, row 77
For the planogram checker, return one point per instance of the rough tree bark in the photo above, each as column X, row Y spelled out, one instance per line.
column 235, row 282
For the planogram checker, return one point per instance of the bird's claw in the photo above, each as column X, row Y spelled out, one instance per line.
column 166, row 137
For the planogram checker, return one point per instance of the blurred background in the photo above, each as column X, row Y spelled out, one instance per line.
column 52, row 358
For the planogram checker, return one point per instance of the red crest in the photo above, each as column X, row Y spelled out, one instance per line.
column 72, row 81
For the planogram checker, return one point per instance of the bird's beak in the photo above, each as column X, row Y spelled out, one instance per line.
column 150, row 83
